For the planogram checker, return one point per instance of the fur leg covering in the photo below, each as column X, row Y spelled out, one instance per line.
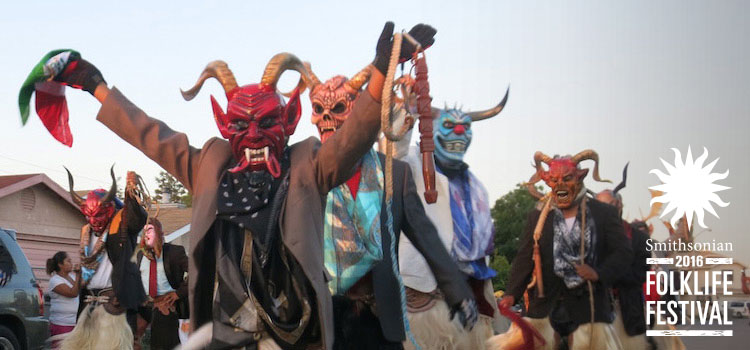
column 513, row 338
column 603, row 337
column 97, row 329
column 434, row 330
column 200, row 339
column 636, row 342
column 476, row 338
column 667, row 343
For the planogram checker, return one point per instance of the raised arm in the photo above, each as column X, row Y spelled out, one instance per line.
column 338, row 157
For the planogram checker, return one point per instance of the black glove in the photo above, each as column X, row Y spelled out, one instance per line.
column 422, row 33
column 466, row 312
column 81, row 74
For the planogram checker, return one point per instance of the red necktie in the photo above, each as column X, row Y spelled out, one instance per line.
column 152, row 279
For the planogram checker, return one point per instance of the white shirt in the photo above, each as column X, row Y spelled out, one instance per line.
column 415, row 272
column 162, row 283
column 102, row 278
column 62, row 310
column 569, row 222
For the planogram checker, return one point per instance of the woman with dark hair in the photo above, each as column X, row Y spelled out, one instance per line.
column 63, row 289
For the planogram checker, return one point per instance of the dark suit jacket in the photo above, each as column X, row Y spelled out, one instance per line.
column 630, row 285
column 121, row 243
column 315, row 169
column 175, row 266
column 409, row 217
column 612, row 250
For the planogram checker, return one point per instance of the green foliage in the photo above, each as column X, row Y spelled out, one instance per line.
column 169, row 186
column 509, row 216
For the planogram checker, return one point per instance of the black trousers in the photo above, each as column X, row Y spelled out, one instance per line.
column 357, row 327
column 164, row 328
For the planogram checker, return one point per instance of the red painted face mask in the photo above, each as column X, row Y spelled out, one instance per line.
column 99, row 205
column 564, row 176
column 257, row 122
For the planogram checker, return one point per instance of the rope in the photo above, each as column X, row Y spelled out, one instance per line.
column 591, row 288
column 385, row 126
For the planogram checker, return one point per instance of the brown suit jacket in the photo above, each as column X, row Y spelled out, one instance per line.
column 315, row 169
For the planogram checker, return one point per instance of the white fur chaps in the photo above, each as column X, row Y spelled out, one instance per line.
column 199, row 339
column 97, row 329
column 513, row 338
column 433, row 329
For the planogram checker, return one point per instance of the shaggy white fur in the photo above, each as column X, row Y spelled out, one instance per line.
column 628, row 342
column 513, row 338
column 97, row 329
column 433, row 329
column 604, row 337
column 199, row 339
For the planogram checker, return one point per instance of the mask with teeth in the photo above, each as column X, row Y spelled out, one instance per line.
column 257, row 123
column 99, row 205
column 452, row 137
column 332, row 101
column 564, row 176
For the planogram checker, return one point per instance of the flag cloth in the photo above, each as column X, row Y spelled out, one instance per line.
column 51, row 105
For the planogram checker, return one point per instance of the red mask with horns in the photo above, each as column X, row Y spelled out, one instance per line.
column 257, row 123
column 564, row 176
column 99, row 205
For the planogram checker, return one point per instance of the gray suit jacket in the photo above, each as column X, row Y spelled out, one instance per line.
column 409, row 217
column 315, row 169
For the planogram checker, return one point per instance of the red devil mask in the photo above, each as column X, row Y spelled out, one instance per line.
column 99, row 205
column 257, row 123
column 564, row 176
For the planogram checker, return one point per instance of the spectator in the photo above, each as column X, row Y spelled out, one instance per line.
column 63, row 289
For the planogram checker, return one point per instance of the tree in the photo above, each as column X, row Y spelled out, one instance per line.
column 169, row 187
column 509, row 216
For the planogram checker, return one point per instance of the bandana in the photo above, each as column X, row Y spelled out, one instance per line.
column 472, row 224
column 352, row 237
column 567, row 246
column 50, row 95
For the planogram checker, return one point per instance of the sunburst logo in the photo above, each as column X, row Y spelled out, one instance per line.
column 688, row 187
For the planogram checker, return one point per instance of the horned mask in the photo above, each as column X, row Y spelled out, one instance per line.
column 99, row 205
column 564, row 176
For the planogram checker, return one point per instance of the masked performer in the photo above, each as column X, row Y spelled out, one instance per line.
column 630, row 323
column 257, row 276
column 572, row 252
column 462, row 218
column 366, row 301
column 163, row 267
column 107, row 243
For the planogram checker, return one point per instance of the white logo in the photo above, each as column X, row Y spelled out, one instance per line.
column 689, row 187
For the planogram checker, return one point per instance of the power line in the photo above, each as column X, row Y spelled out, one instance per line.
column 48, row 169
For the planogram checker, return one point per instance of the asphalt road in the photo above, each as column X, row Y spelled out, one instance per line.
column 739, row 340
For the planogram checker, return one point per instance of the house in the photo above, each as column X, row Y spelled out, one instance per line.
column 44, row 217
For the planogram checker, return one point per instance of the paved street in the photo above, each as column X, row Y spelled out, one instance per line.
column 739, row 340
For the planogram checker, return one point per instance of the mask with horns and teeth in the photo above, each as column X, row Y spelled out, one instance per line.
column 564, row 176
column 99, row 205
column 453, row 134
column 332, row 101
column 257, row 123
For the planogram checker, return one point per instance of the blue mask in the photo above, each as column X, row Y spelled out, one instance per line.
column 452, row 136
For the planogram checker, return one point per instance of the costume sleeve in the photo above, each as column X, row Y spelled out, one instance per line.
column 336, row 160
column 616, row 248
column 422, row 233
column 153, row 137
column 182, row 266
column 523, row 266
column 637, row 274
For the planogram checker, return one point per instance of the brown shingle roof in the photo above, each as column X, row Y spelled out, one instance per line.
column 172, row 217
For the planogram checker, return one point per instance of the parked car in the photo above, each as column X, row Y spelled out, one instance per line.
column 739, row 309
column 22, row 322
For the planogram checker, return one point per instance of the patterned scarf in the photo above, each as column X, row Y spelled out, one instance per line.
column 352, row 237
column 567, row 246
column 472, row 225
column 91, row 258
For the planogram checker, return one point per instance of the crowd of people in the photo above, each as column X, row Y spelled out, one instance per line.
column 329, row 244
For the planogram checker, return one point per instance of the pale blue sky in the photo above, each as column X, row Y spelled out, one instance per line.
column 630, row 79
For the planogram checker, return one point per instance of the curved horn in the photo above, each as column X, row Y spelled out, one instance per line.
column 73, row 195
column 589, row 154
column 622, row 183
column 531, row 186
column 279, row 64
column 216, row 69
column 481, row 115
column 540, row 157
column 359, row 79
column 313, row 79
column 113, row 189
